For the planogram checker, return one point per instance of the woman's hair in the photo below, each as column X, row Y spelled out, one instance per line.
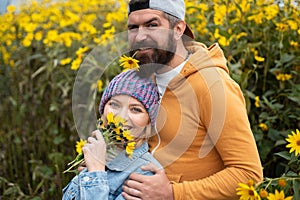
column 142, row 89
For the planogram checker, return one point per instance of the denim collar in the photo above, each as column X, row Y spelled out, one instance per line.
column 121, row 162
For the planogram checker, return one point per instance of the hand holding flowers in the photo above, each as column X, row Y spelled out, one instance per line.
column 109, row 138
column 95, row 152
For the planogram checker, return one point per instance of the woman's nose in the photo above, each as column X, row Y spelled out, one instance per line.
column 124, row 114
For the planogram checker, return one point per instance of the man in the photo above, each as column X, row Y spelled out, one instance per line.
column 205, row 143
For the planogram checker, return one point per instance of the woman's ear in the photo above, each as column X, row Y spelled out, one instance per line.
column 179, row 30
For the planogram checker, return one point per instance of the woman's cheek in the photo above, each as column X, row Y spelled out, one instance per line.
column 108, row 109
column 141, row 120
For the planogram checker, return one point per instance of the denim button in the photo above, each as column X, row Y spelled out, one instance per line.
column 86, row 178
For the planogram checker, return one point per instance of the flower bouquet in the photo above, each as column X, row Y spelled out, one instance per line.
column 116, row 138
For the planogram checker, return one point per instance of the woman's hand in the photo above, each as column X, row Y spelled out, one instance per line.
column 95, row 152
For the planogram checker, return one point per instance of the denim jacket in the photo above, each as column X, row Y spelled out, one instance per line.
column 108, row 184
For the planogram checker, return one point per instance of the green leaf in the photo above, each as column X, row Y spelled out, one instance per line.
column 284, row 154
column 296, row 188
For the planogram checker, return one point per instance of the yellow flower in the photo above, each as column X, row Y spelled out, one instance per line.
column 257, row 102
column 263, row 126
column 130, row 148
column 76, row 63
column 279, row 196
column 283, row 77
column 281, row 182
column 11, row 8
column 292, row 24
column 259, row 58
column 294, row 142
column 65, row 61
column 99, row 85
column 110, row 118
column 282, row 27
column 129, row 63
column 79, row 145
column 114, row 133
column 247, row 192
column 38, row 35
column 263, row 193
column 294, row 44
column 127, row 135
column 116, row 120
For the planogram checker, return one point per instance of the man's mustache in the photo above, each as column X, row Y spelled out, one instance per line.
column 143, row 45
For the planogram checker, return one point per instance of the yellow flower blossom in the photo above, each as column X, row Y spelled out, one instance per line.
column 294, row 142
column 283, row 77
column 81, row 50
column 38, row 35
column 129, row 62
column 65, row 61
column 27, row 40
column 292, row 24
column 79, row 145
column 271, row 11
column 263, row 193
column 259, row 58
column 76, row 63
column 247, row 192
column 256, row 56
column 279, row 196
column 130, row 148
column 241, row 34
column 281, row 182
column 257, row 100
column 282, row 27
column 11, row 8
column 223, row 41
column 99, row 85
column 220, row 13
column 294, row 44
column 257, row 18
column 263, row 126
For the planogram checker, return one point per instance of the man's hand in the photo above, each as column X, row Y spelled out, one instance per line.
column 143, row 187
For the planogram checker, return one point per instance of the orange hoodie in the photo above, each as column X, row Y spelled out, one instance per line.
column 206, row 145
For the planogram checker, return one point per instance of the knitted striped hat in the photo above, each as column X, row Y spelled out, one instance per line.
column 129, row 83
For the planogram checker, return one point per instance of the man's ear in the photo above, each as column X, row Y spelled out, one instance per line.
column 179, row 29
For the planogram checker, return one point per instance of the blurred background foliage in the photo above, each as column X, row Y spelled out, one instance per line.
column 43, row 44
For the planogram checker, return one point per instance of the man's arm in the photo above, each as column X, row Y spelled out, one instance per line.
column 153, row 187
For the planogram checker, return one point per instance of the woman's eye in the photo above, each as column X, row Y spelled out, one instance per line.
column 113, row 104
column 136, row 109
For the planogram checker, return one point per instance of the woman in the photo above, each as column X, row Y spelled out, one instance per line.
column 136, row 100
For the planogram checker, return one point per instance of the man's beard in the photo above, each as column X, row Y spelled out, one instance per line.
column 150, row 63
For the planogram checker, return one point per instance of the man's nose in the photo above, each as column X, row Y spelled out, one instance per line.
column 141, row 34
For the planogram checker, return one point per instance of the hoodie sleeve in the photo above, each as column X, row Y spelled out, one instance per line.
column 234, row 143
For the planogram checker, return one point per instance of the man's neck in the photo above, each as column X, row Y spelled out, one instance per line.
column 180, row 56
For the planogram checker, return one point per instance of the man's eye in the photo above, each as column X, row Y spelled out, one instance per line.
column 132, row 28
column 152, row 25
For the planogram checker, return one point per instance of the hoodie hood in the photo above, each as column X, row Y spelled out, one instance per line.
column 203, row 57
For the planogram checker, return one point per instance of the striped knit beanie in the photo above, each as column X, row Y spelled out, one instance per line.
column 129, row 83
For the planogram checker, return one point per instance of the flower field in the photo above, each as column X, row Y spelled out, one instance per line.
column 43, row 45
